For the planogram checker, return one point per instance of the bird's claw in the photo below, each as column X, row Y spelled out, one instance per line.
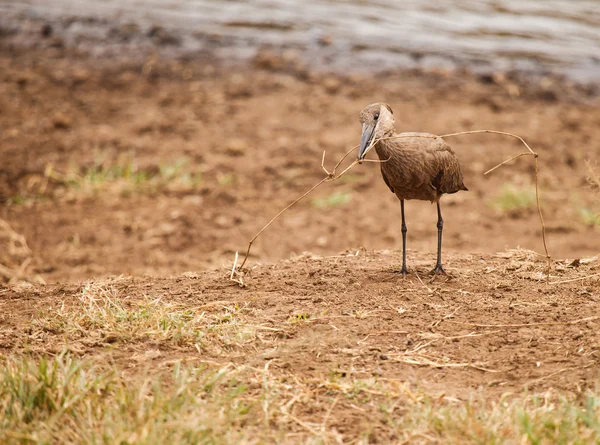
column 438, row 270
column 403, row 271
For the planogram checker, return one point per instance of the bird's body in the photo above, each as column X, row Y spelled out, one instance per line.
column 419, row 166
column 414, row 166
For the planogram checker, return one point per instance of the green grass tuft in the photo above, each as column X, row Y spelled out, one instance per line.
column 103, row 313
column 127, row 176
column 334, row 200
column 226, row 179
column 514, row 200
column 590, row 217
column 65, row 400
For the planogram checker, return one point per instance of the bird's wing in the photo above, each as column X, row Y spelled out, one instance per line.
column 385, row 179
column 449, row 177
column 435, row 160
column 419, row 162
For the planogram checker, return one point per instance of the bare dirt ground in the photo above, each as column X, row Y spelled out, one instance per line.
column 147, row 171
column 255, row 140
column 493, row 326
column 339, row 338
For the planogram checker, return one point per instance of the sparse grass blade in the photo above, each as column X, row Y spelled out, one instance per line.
column 514, row 200
column 65, row 400
column 334, row 200
column 590, row 217
column 114, row 318
column 122, row 175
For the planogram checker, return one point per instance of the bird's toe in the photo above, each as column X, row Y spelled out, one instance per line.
column 403, row 271
column 438, row 270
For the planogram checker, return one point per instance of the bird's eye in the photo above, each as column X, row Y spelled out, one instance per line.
column 376, row 116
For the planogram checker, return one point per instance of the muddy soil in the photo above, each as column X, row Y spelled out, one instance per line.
column 254, row 136
column 493, row 327
column 246, row 141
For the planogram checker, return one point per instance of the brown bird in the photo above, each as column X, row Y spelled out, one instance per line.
column 415, row 166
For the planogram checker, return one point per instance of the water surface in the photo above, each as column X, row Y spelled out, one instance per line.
column 560, row 36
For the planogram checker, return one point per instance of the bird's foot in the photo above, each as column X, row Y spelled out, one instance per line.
column 438, row 270
column 403, row 271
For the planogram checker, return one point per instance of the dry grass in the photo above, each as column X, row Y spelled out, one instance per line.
column 15, row 257
column 591, row 215
column 159, row 371
column 68, row 400
column 103, row 316
column 593, row 176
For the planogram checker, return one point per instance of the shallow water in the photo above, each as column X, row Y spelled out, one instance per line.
column 560, row 36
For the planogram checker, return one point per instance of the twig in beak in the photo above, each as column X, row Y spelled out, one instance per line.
column 369, row 147
column 376, row 161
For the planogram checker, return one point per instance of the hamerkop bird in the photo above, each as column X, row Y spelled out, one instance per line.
column 415, row 166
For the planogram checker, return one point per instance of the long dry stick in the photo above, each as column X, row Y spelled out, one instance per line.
column 529, row 152
column 526, row 325
column 576, row 279
column 537, row 188
column 331, row 176
column 560, row 371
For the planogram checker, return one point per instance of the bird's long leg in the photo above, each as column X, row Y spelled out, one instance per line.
column 404, row 270
column 440, row 226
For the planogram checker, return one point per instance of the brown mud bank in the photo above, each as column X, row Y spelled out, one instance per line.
column 338, row 347
column 493, row 326
column 159, row 166
column 535, row 38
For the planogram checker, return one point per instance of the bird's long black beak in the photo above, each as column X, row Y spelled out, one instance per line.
column 365, row 141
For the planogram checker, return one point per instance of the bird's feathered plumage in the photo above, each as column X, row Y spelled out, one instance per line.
column 419, row 166
column 415, row 166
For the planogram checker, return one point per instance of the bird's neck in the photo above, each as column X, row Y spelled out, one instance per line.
column 383, row 147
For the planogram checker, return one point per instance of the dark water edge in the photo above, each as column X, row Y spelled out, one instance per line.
column 558, row 37
column 109, row 38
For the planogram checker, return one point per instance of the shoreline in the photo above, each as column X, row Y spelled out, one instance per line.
column 219, row 150
column 131, row 177
column 115, row 41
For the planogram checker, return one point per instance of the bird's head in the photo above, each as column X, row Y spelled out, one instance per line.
column 377, row 121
